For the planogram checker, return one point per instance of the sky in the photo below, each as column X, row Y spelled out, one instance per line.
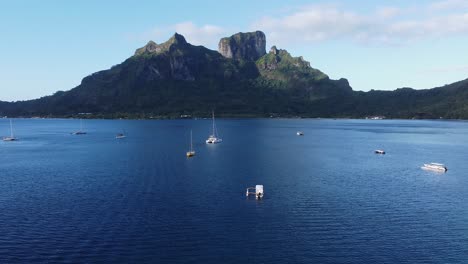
column 48, row 45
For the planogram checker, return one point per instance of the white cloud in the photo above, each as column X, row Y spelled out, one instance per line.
column 313, row 23
column 386, row 25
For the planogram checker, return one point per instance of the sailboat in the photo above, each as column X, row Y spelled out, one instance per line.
column 11, row 137
column 120, row 136
column 191, row 152
column 213, row 138
column 80, row 132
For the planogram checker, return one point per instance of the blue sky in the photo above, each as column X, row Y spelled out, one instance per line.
column 48, row 46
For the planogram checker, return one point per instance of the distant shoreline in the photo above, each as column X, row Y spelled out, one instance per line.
column 92, row 117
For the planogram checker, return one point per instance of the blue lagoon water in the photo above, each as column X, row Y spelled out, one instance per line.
column 328, row 197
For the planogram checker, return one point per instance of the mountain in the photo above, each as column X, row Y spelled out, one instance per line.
column 449, row 102
column 176, row 78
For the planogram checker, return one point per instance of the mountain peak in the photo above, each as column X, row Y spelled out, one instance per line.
column 246, row 46
column 152, row 48
column 177, row 39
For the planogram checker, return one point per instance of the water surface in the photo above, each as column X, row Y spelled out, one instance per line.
column 328, row 197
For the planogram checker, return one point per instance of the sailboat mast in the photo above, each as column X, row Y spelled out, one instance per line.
column 191, row 144
column 213, row 123
column 11, row 128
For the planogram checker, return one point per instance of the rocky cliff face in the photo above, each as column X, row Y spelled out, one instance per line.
column 245, row 46
column 278, row 64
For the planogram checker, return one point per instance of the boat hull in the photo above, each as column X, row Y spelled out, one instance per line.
column 213, row 140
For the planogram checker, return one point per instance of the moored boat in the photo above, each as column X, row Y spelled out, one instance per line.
column 11, row 137
column 213, row 138
column 435, row 167
column 81, row 131
column 191, row 152
column 120, row 136
column 257, row 191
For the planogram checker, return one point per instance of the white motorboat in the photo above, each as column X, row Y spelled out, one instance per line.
column 435, row 167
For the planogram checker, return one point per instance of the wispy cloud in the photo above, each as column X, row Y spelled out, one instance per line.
column 385, row 25
column 448, row 5
column 387, row 12
column 206, row 35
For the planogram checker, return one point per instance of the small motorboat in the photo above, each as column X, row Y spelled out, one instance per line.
column 299, row 133
column 435, row 167
column 379, row 151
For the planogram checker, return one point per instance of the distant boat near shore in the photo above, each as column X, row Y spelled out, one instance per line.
column 11, row 137
column 121, row 135
column 80, row 132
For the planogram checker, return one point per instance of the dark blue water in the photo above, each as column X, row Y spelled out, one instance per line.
column 328, row 197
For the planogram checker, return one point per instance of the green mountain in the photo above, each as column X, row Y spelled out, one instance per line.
column 240, row 79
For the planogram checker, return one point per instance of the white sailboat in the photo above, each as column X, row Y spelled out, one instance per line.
column 213, row 138
column 80, row 132
column 11, row 137
column 191, row 152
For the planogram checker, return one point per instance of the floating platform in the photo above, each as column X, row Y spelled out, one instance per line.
column 257, row 191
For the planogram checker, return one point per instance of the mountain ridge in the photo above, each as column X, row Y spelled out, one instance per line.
column 240, row 79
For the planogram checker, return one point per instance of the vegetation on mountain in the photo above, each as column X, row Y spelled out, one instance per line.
column 176, row 78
